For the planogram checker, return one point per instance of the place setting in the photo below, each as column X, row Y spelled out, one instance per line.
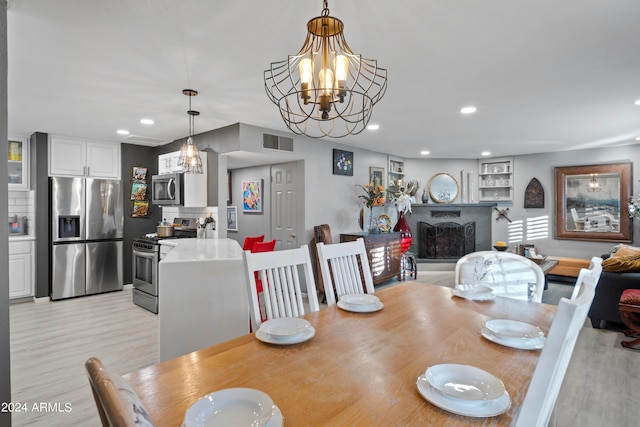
column 234, row 407
column 464, row 390
column 285, row 331
column 514, row 334
column 473, row 292
column 360, row 303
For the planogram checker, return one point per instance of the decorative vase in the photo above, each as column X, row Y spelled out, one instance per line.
column 402, row 226
column 425, row 196
column 373, row 226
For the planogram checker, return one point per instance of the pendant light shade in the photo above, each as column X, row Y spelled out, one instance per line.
column 325, row 89
column 189, row 154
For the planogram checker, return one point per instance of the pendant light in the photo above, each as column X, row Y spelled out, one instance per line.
column 190, row 155
column 325, row 89
column 593, row 186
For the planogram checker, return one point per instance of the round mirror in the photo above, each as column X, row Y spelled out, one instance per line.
column 443, row 188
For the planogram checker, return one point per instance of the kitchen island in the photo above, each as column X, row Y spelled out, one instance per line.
column 202, row 295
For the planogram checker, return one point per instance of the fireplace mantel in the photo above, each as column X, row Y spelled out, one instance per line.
column 461, row 213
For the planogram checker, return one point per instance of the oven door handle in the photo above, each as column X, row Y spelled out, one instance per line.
column 148, row 255
column 171, row 182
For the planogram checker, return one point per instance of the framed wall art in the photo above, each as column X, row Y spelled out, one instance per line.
column 592, row 202
column 376, row 175
column 342, row 162
column 252, row 196
column 232, row 218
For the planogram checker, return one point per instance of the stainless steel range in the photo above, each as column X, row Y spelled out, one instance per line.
column 146, row 256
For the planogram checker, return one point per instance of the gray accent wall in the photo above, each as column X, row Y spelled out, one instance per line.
column 5, row 353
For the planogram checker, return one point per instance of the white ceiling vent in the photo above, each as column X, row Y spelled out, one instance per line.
column 275, row 142
column 144, row 140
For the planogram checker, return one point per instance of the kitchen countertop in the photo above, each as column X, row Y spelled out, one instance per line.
column 190, row 250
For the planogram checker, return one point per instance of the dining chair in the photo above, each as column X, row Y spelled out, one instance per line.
column 262, row 247
column 508, row 274
column 592, row 274
column 249, row 241
column 282, row 291
column 539, row 401
column 118, row 405
column 345, row 269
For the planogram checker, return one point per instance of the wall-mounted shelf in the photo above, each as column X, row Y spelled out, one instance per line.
column 396, row 173
column 495, row 180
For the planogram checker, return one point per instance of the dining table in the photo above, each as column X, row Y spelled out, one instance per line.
column 359, row 368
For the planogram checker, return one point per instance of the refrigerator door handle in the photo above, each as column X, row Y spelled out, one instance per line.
column 171, row 183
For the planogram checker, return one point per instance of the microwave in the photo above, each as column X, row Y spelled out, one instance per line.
column 167, row 189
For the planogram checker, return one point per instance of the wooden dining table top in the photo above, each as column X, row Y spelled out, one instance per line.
column 359, row 368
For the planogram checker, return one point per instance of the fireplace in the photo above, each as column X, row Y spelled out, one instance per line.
column 446, row 240
column 470, row 222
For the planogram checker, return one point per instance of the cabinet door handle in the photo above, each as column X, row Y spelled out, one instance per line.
column 88, row 170
column 293, row 235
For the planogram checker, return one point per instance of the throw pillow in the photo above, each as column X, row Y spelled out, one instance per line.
column 630, row 296
column 624, row 250
column 622, row 263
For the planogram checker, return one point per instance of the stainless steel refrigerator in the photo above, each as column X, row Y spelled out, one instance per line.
column 86, row 236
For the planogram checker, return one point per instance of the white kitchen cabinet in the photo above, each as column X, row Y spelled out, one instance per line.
column 20, row 269
column 80, row 158
column 18, row 158
column 168, row 163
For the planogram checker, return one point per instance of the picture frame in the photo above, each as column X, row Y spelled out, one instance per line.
column 592, row 201
column 229, row 188
column 232, row 218
column 376, row 176
column 252, row 195
column 342, row 162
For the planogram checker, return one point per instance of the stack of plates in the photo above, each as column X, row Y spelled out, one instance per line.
column 234, row 407
column 473, row 292
column 515, row 334
column 464, row 390
column 360, row 303
column 285, row 330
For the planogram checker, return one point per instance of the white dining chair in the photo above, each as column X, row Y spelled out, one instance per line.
column 281, row 284
column 588, row 274
column 540, row 399
column 345, row 269
column 508, row 274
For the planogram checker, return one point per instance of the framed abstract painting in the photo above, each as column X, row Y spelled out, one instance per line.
column 252, row 192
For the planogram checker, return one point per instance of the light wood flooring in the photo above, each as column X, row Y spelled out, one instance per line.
column 51, row 341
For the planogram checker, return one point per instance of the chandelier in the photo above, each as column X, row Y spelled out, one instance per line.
column 593, row 186
column 325, row 89
column 189, row 154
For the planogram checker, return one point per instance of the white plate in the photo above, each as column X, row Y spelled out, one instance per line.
column 232, row 406
column 361, row 308
column 359, row 299
column 469, row 408
column 479, row 289
column 464, row 382
column 505, row 328
column 474, row 296
column 519, row 343
column 285, row 326
column 285, row 340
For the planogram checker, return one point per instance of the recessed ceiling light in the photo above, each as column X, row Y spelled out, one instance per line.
column 638, row 138
column 468, row 110
column 637, row 102
column 373, row 127
column 123, row 132
column 425, row 152
column 147, row 121
column 486, row 153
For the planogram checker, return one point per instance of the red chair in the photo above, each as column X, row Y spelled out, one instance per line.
column 262, row 247
column 250, row 241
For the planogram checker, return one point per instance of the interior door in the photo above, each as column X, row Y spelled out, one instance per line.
column 286, row 193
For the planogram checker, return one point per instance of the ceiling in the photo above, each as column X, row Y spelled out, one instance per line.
column 545, row 75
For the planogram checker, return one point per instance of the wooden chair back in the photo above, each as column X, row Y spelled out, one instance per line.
column 538, row 403
column 281, row 284
column 508, row 274
column 345, row 269
column 591, row 275
column 118, row 405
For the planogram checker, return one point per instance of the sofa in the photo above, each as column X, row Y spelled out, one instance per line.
column 609, row 289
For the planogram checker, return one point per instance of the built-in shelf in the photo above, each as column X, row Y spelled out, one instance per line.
column 396, row 173
column 495, row 180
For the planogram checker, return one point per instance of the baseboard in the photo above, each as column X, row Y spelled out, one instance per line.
column 40, row 300
column 436, row 266
column 129, row 286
